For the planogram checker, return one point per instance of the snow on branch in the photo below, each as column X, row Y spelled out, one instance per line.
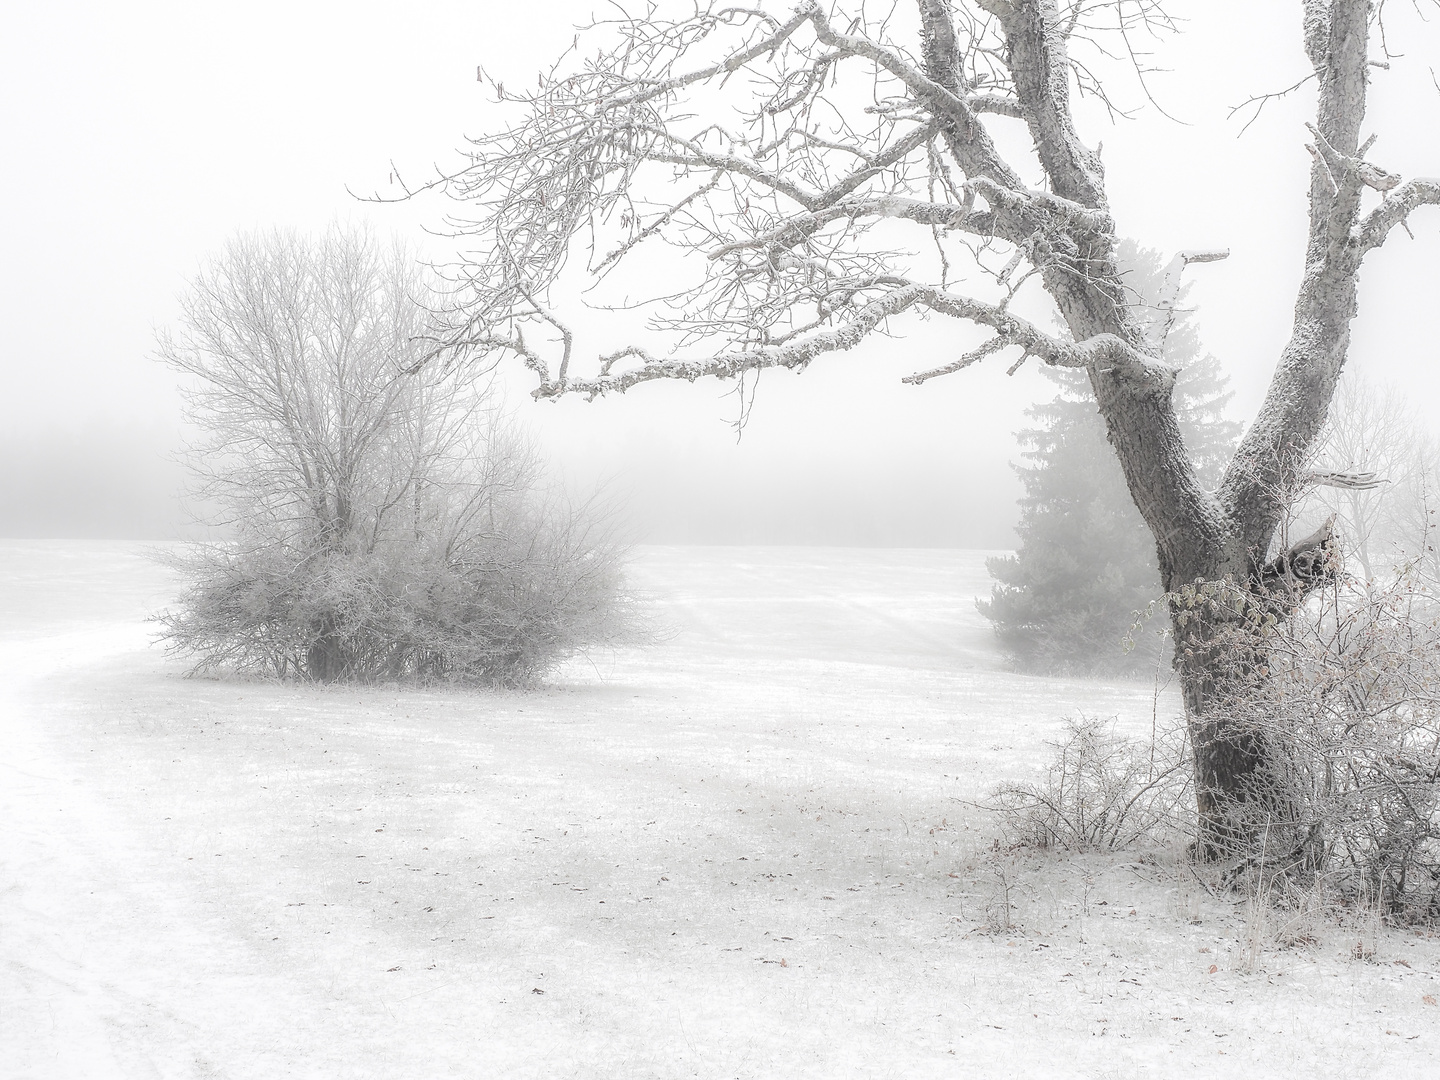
column 1105, row 350
column 1359, row 481
column 1396, row 207
column 1040, row 66
column 729, row 134
column 974, row 356
column 797, row 182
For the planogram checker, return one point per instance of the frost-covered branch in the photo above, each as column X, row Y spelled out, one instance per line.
column 778, row 198
column 1397, row 206
column 823, row 172
column 1336, row 39
column 1106, row 350
column 1039, row 62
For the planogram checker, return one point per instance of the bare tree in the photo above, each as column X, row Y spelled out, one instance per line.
column 812, row 159
column 384, row 518
column 1386, row 503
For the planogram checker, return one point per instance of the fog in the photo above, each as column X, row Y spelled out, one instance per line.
column 139, row 137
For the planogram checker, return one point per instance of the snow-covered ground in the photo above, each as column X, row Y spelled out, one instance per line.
column 745, row 852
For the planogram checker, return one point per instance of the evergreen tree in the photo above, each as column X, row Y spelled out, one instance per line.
column 1065, row 602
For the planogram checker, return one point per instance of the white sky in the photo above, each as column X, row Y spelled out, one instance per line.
column 138, row 137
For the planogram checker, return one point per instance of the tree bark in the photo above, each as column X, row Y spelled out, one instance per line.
column 1220, row 655
column 325, row 660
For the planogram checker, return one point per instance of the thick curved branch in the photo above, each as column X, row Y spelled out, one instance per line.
column 1039, row 62
column 1105, row 351
column 996, row 105
column 795, row 219
column 1264, row 471
column 1422, row 191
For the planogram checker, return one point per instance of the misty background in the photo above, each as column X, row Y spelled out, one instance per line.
column 139, row 138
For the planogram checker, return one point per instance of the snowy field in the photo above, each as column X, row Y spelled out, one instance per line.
column 745, row 852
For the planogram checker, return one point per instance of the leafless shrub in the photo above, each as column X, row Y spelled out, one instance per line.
column 1345, row 695
column 504, row 609
column 999, row 882
column 1101, row 792
column 386, row 523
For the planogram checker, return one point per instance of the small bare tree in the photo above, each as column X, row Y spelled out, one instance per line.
column 833, row 169
column 386, row 522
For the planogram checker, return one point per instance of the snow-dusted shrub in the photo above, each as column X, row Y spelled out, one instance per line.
column 384, row 522
column 1101, row 791
column 1347, row 701
column 502, row 610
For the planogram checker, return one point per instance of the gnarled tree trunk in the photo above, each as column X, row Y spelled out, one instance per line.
column 1220, row 541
